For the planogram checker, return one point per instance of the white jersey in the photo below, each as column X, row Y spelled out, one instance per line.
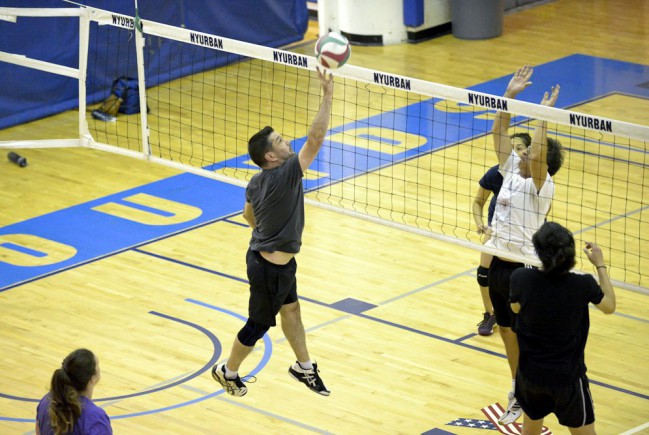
column 520, row 210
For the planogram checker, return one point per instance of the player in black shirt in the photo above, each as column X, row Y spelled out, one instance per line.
column 551, row 326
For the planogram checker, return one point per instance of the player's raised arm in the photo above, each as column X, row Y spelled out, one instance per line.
column 500, row 129
column 318, row 129
column 538, row 152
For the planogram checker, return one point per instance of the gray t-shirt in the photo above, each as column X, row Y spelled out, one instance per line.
column 277, row 200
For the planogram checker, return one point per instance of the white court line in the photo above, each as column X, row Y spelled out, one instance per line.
column 636, row 429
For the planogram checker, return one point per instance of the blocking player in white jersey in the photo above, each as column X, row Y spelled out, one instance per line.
column 522, row 206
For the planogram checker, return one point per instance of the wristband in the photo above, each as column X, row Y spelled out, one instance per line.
column 599, row 267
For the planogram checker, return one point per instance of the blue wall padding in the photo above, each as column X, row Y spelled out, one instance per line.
column 413, row 12
column 30, row 94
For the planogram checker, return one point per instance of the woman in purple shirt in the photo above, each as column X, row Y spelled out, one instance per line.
column 68, row 407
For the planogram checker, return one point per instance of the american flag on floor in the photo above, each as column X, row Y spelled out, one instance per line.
column 494, row 411
column 472, row 422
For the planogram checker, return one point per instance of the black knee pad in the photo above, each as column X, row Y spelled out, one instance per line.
column 251, row 332
column 483, row 276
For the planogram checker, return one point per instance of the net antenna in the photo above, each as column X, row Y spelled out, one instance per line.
column 401, row 151
column 138, row 24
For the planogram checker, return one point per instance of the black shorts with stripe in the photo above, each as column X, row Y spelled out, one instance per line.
column 571, row 403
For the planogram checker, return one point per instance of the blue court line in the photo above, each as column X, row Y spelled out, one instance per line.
column 479, row 349
column 230, row 221
column 193, row 266
column 159, row 384
column 263, row 362
column 318, row 326
column 75, row 226
column 426, row 287
column 301, row 425
column 538, row 74
column 608, row 221
column 387, row 322
column 457, row 341
column 611, row 158
column 267, row 351
column 194, row 389
column 268, row 348
column 431, row 335
column 215, row 356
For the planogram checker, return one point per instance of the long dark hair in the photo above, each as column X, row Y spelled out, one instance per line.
column 554, row 157
column 67, row 384
column 555, row 247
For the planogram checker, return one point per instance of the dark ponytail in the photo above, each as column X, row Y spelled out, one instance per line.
column 67, row 384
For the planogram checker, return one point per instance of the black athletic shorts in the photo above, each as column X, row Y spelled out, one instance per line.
column 572, row 403
column 271, row 286
column 500, row 274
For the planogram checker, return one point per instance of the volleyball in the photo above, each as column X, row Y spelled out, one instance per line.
column 332, row 50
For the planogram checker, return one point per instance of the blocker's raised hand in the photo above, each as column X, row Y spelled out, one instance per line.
column 520, row 81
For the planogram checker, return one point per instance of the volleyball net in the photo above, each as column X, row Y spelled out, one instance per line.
column 400, row 151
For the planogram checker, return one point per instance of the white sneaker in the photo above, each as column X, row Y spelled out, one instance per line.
column 234, row 387
column 513, row 411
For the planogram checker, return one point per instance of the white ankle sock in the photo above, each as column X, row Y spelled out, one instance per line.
column 306, row 365
column 229, row 374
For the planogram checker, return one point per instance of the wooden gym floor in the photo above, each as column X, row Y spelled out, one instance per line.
column 390, row 316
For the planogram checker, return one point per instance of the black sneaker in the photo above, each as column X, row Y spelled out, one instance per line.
column 308, row 377
column 234, row 387
column 486, row 326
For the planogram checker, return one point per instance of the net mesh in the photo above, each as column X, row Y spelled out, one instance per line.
column 393, row 154
column 114, row 56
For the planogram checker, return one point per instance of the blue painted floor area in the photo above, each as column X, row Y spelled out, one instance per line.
column 582, row 79
column 352, row 306
column 111, row 224
column 127, row 219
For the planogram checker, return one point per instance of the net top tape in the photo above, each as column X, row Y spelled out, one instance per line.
column 436, row 90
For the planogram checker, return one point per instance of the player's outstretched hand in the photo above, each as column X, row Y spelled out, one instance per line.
column 520, row 81
column 551, row 98
column 327, row 80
